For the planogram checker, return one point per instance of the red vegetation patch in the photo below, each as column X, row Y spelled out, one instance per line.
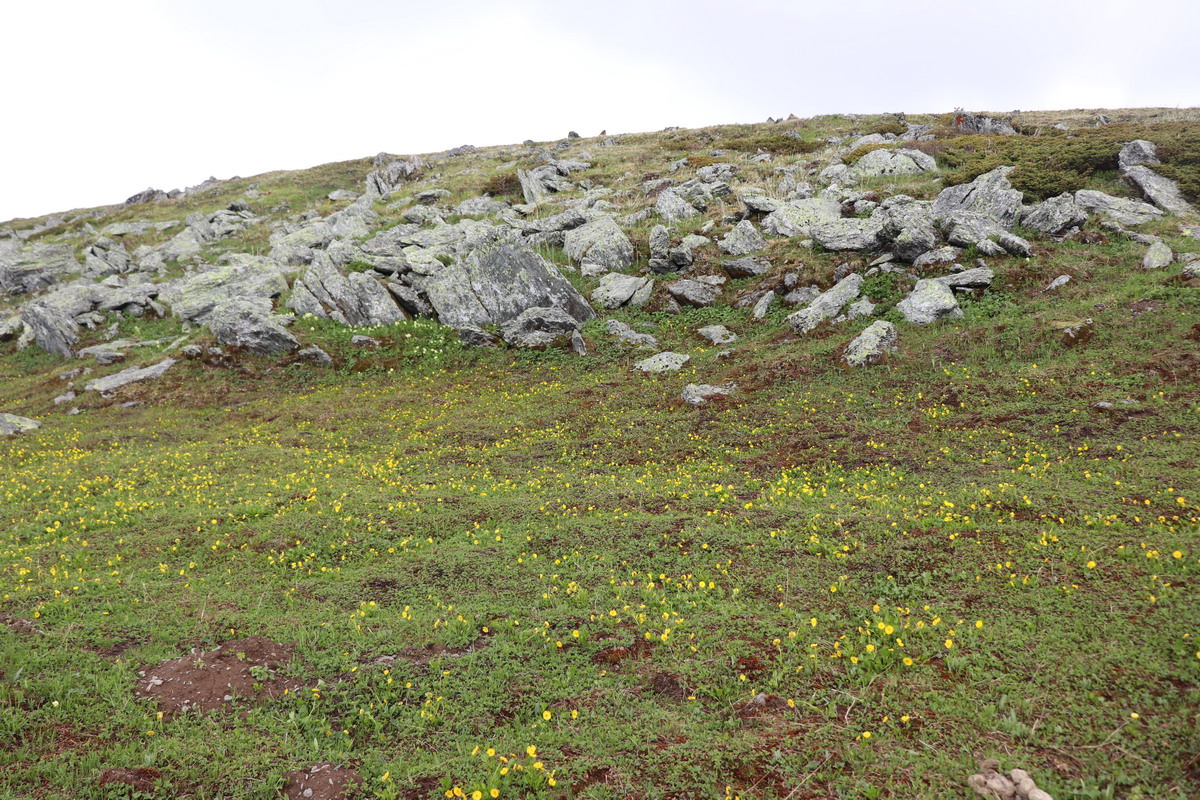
column 205, row 681
column 322, row 781
column 141, row 779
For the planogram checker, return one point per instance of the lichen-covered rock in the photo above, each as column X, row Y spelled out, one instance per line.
column 539, row 328
column 1158, row 256
column 826, row 305
column 617, row 290
column 929, row 301
column 869, row 347
column 250, row 325
column 749, row 267
column 1139, row 151
column 628, row 335
column 314, row 355
column 11, row 424
column 977, row 278
column 1055, row 216
column 665, row 361
column 717, row 334
column 24, row 270
column 848, row 234
column 671, row 207
column 989, row 195
column 1121, row 210
column 194, row 297
column 742, row 240
column 600, row 241
column 794, row 218
column 1159, row 190
column 354, row 299
column 879, row 163
column 695, row 292
column 697, row 394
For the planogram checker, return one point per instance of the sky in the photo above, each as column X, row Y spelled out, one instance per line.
column 103, row 99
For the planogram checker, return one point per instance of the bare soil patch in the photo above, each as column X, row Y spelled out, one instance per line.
column 322, row 781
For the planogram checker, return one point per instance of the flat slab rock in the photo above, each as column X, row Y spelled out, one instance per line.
column 213, row 679
column 665, row 361
column 11, row 424
column 127, row 376
column 697, row 394
column 322, row 781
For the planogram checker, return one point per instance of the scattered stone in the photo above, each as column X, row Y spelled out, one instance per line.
column 617, row 290
column 367, row 342
column 1055, row 216
column 847, row 234
column 539, row 328
column 697, row 394
column 977, row 278
column 717, row 334
column 671, row 207
column 929, row 301
column 1158, row 256
column 763, row 305
column 695, row 292
column 750, row 267
column 1161, row 191
column 942, row 255
column 1060, row 281
column 315, row 356
column 11, row 424
column 1120, row 210
column 665, row 361
column 600, row 241
column 125, row 377
column 628, row 335
column 872, row 345
column 250, row 325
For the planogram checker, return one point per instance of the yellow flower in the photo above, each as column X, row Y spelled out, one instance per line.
column 531, row 751
column 866, row 734
column 476, row 795
column 908, row 662
column 386, row 777
column 1134, row 715
column 978, row 623
column 546, row 715
column 494, row 792
column 1091, row 565
column 949, row 643
column 491, row 751
column 575, row 713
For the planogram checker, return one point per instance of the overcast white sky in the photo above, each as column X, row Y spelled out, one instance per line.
column 103, row 99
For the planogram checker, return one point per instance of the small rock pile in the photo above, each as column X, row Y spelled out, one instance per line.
column 989, row 782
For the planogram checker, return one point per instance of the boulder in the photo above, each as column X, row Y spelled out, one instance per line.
column 539, row 328
column 106, row 257
column 826, row 305
column 981, row 123
column 990, row 195
column 127, row 376
column 763, row 305
column 600, row 241
column 1055, row 216
column 879, row 163
column 1120, row 210
column 494, row 282
column 315, row 356
column 968, row 228
column 757, row 201
column 942, row 255
column 742, row 240
column 250, row 325
column 665, row 361
column 1159, row 190
column 697, row 394
column 908, row 224
column 929, row 301
column 617, row 290
column 628, row 335
column 11, row 424
column 194, row 297
column 354, row 299
column 872, row 345
column 10, row 326
column 848, row 234
column 750, row 267
column 1139, row 151
column 297, row 247
column 695, row 292
column 671, row 207
column 977, row 278
column 24, row 270
column 1158, row 256
column 794, row 218
column 52, row 320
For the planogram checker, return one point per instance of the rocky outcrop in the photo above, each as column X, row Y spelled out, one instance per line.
column 742, row 240
column 249, row 324
column 1161, row 191
column 990, row 195
column 24, row 270
column 1055, row 216
column 1120, row 210
column 848, row 234
column 879, row 163
column 245, row 276
column 794, row 218
column 929, row 301
column 826, row 305
column 354, row 299
column 600, row 241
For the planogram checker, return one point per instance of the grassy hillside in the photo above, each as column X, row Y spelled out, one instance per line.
column 530, row 574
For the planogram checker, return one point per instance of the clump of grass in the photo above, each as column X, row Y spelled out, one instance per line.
column 502, row 184
column 772, row 143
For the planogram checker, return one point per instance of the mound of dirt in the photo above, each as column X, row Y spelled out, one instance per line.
column 20, row 625
column 205, row 681
column 141, row 779
column 322, row 781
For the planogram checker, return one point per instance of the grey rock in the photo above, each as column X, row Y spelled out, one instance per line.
column 968, row 228
column 106, row 257
column 1159, row 190
column 879, row 163
column 1120, row 210
column 665, row 361
column 539, row 328
column 660, row 247
column 826, row 305
column 193, row 298
column 694, row 292
column 795, row 218
column 250, row 325
column 628, row 335
column 757, row 201
column 872, row 345
column 366, row 342
column 861, row 307
column 750, row 267
column 125, row 377
column 837, row 174
column 942, row 255
column 909, row 225
column 481, row 207
column 671, row 207
column 717, row 334
column 742, row 240
column 802, row 296
column 297, row 247
column 10, row 327
column 763, row 305
column 1060, row 281
column 600, row 241
column 697, row 394
column 65, row 397
column 315, row 356
column 617, row 290
column 1158, row 256
column 148, row 195
column 981, row 123
column 354, row 299
column 24, row 270
column 929, row 301
column 848, row 234
column 1055, row 216
column 989, row 195
column 1139, row 151
column 494, row 282
column 11, row 424
column 977, row 278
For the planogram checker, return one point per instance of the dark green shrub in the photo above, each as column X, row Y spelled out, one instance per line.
column 502, row 184
column 893, row 127
column 775, row 143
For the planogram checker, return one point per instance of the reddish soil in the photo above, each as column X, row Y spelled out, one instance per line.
column 322, row 781
column 206, row 681
column 762, row 704
column 19, row 625
column 141, row 779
